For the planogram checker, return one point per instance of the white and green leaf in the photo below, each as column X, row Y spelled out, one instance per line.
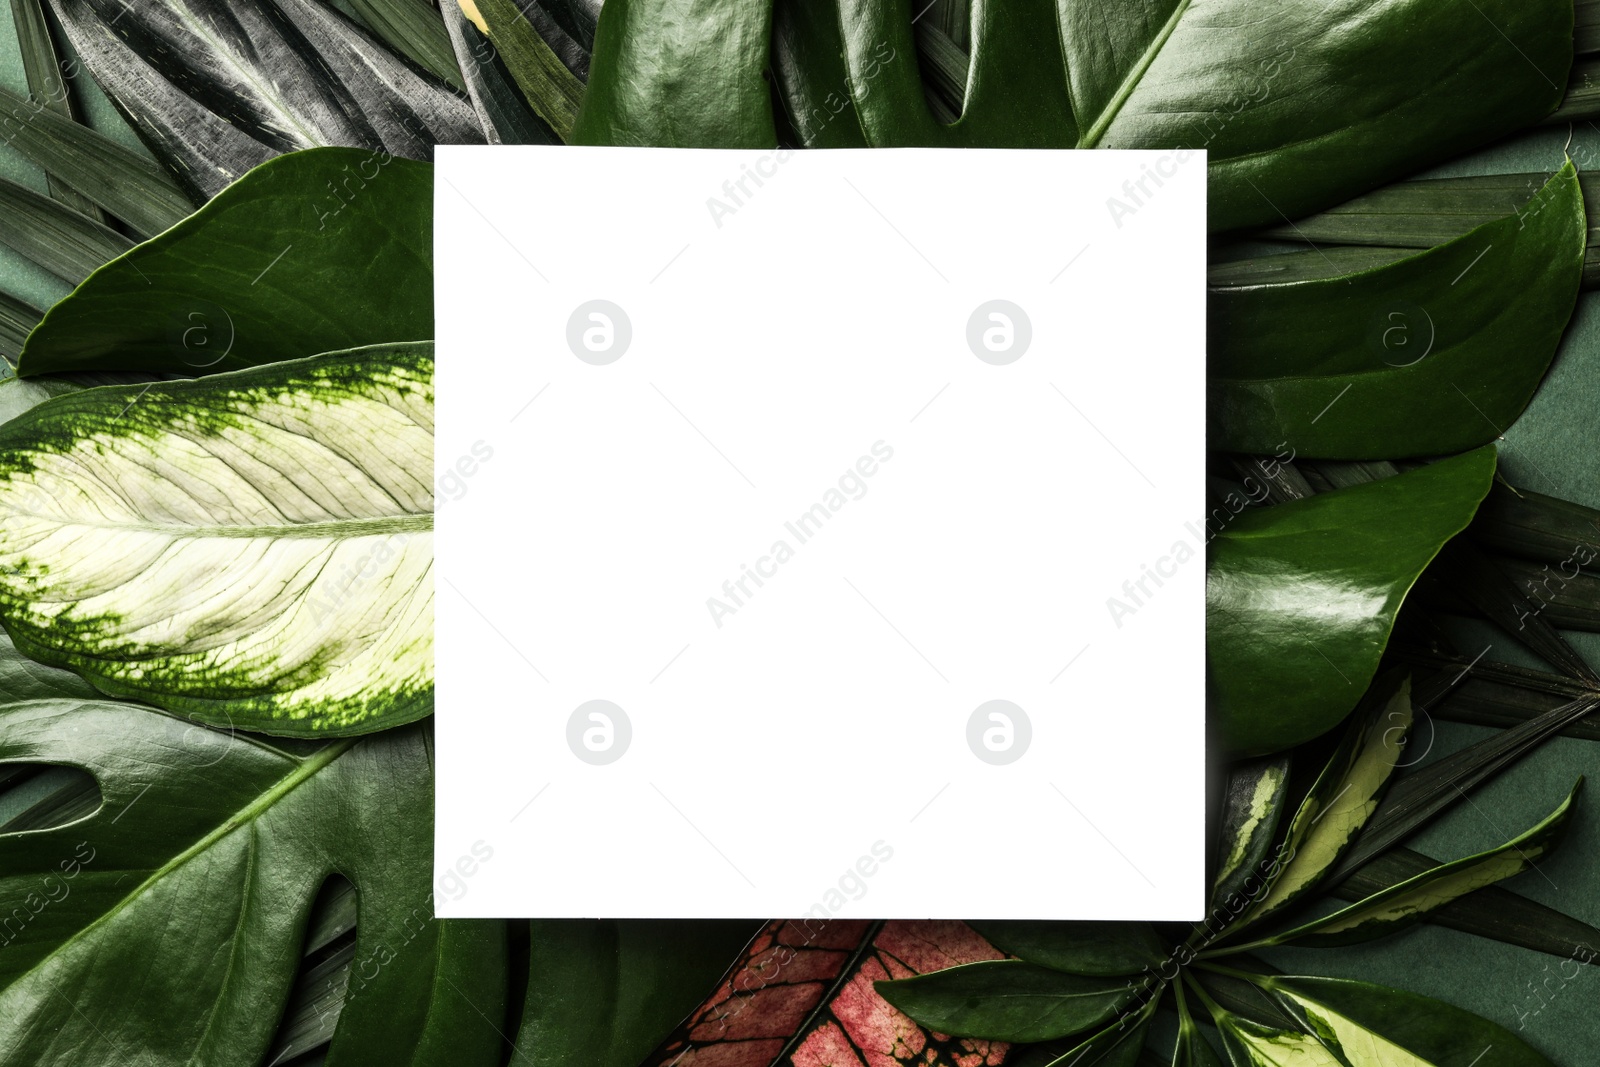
column 252, row 548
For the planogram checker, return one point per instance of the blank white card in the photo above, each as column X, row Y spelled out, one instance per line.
column 819, row 533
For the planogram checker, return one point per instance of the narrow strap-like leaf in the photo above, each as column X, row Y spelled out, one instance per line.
column 125, row 183
column 502, row 110
column 47, row 85
column 58, row 238
column 17, row 320
column 415, row 29
column 549, row 87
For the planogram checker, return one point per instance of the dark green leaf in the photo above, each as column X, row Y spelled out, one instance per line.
column 312, row 479
column 1007, row 1000
column 1191, row 1048
column 1433, row 354
column 311, row 252
column 1301, row 597
column 63, row 241
column 701, row 85
column 1283, row 268
column 216, row 87
column 502, row 110
column 1437, row 1032
column 125, row 183
column 47, row 85
column 1538, row 527
column 604, row 993
column 551, row 89
column 1096, row 949
column 17, row 320
column 197, row 875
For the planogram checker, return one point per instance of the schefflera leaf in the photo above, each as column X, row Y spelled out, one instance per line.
column 166, row 928
column 251, row 549
column 1301, row 597
column 1436, row 353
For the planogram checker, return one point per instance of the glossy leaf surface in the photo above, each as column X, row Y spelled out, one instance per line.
column 1301, row 597
column 1433, row 354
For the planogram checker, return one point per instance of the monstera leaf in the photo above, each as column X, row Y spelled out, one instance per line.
column 1297, row 106
column 166, row 928
column 215, row 88
column 251, row 549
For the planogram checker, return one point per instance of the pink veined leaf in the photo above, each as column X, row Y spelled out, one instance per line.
column 801, row 996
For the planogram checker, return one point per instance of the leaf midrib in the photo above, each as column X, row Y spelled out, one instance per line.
column 305, row 769
column 332, row 530
column 1091, row 137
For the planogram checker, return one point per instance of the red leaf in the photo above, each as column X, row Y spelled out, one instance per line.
column 801, row 996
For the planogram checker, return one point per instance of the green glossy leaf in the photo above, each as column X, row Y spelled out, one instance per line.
column 1399, row 906
column 1430, row 1031
column 314, row 251
column 551, row 90
column 217, row 87
column 1301, row 597
column 1252, row 805
column 1191, row 1048
column 605, row 993
column 1006, row 1000
column 1432, row 354
column 1339, row 802
column 166, row 929
column 1251, row 1044
column 1118, row 1045
column 125, row 183
column 699, row 84
column 251, row 549
column 1103, row 949
column 1316, row 103
column 63, row 241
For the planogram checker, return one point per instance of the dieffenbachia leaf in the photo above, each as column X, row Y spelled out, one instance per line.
column 1007, row 1000
column 1340, row 801
column 1103, row 949
column 167, row 927
column 1252, row 805
column 1374, row 1026
column 1433, row 354
column 1317, row 102
column 604, row 993
column 217, row 87
column 311, row 252
column 1399, row 906
column 251, row 549
column 1301, row 597
column 700, row 84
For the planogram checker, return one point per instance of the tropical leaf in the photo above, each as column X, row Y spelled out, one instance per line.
column 1298, row 114
column 1339, row 802
column 1252, row 804
column 1414, row 1029
column 125, row 183
column 251, row 549
column 67, row 243
column 47, row 86
column 1301, row 597
column 700, row 86
column 319, row 250
column 803, row 994
column 1008, row 1000
column 604, row 993
column 502, row 110
column 17, row 320
column 1102, row 949
column 217, row 87
column 196, row 875
column 1394, row 908
column 1432, row 354
column 414, row 29
column 550, row 88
